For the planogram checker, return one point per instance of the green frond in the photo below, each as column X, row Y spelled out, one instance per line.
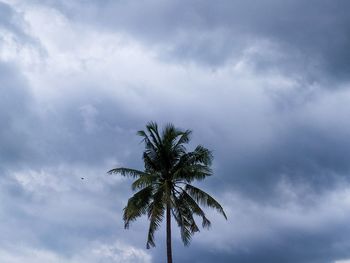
column 155, row 218
column 184, row 218
column 137, row 205
column 155, row 215
column 195, row 208
column 186, row 232
column 173, row 138
column 126, row 172
column 169, row 133
column 144, row 181
column 204, row 199
column 192, row 172
column 152, row 128
column 203, row 155
column 200, row 156
column 184, row 138
column 151, row 162
column 149, row 144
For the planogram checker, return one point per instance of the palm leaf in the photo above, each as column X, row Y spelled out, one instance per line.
column 144, row 181
column 204, row 199
column 137, row 205
column 195, row 208
column 184, row 218
column 152, row 128
column 192, row 172
column 155, row 215
column 126, row 172
column 184, row 138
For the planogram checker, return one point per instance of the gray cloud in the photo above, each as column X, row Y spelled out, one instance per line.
column 306, row 39
column 11, row 20
column 280, row 136
column 15, row 114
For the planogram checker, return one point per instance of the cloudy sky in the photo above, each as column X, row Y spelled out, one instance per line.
column 264, row 84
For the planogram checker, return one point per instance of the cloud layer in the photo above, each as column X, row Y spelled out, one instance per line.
column 264, row 85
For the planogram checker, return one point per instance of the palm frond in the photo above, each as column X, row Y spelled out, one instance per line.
column 184, row 218
column 184, row 137
column 204, row 199
column 126, row 172
column 195, row 208
column 152, row 128
column 144, row 181
column 149, row 144
column 173, row 139
column 202, row 155
column 137, row 205
column 155, row 215
column 169, row 133
column 151, row 161
column 192, row 172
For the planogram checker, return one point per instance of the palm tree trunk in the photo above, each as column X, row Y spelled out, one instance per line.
column 168, row 234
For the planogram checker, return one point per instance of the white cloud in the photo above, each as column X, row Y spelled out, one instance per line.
column 96, row 253
column 120, row 253
column 89, row 114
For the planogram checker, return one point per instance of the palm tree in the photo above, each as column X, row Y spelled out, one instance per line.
column 164, row 187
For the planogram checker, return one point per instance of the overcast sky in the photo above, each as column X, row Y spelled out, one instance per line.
column 264, row 84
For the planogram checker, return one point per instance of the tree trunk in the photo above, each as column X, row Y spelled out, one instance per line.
column 168, row 234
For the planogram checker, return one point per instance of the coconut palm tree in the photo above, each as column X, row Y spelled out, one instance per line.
column 164, row 187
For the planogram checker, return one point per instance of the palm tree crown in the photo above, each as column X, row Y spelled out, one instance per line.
column 164, row 187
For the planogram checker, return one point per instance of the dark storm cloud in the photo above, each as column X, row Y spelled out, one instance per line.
column 315, row 243
column 308, row 39
column 305, row 155
column 291, row 247
column 34, row 135
column 85, row 129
